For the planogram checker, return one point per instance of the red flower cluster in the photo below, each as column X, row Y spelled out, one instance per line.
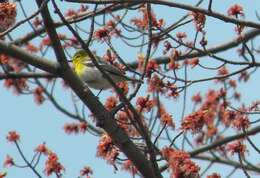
column 9, row 161
column 107, row 150
column 166, row 118
column 129, row 166
column 175, row 54
column 214, row 175
column 199, row 20
column 7, row 15
column 180, row 163
column 13, row 136
column 75, row 128
column 155, row 84
column 37, row 22
column 235, row 10
column 181, row 35
column 197, row 98
column 86, row 171
column 75, row 13
column 111, row 102
column 194, row 122
column 143, row 22
column 52, row 165
column 144, row 104
column 107, row 31
column 42, row 148
column 237, row 147
column 17, row 84
column 38, row 95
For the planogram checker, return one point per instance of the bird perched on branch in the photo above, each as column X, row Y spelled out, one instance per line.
column 89, row 73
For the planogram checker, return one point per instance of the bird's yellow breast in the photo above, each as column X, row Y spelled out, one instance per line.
column 80, row 69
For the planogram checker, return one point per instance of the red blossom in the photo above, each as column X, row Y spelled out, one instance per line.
column 38, row 95
column 107, row 150
column 111, row 102
column 166, row 118
column 129, row 166
column 42, row 149
column 143, row 22
column 75, row 128
column 237, row 147
column 199, row 20
column 4, row 59
column 143, row 103
column 7, row 15
column 172, row 90
column 9, row 161
column 86, row 171
column 197, row 98
column 13, row 136
column 244, row 76
column 193, row 62
column 123, row 86
column 151, row 67
column 194, row 121
column 223, row 71
column 214, row 175
column 155, row 84
column 37, row 22
column 235, row 10
column 167, row 46
column 181, row 35
column 180, row 163
column 3, row 174
column 71, row 13
column 52, row 165
column 241, row 122
column 32, row 48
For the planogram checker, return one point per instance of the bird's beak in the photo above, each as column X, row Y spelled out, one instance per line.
column 70, row 60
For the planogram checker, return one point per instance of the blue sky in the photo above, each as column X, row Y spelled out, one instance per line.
column 38, row 124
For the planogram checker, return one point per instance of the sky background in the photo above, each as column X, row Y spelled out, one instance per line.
column 38, row 124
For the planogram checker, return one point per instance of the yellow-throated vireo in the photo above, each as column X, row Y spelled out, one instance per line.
column 89, row 73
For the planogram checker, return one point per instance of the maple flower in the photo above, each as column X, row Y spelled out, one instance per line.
column 151, row 67
column 214, row 175
column 241, row 121
column 237, row 147
column 52, row 165
column 4, row 59
column 197, row 98
column 143, row 103
column 129, row 166
column 111, row 102
column 38, row 95
column 155, row 84
column 37, row 22
column 3, row 174
column 235, row 10
column 86, row 171
column 194, row 121
column 42, row 149
column 7, row 15
column 9, row 161
column 107, row 150
column 102, row 34
column 13, row 136
column 75, row 128
column 32, row 48
column 199, row 20
column 180, row 163
column 181, row 35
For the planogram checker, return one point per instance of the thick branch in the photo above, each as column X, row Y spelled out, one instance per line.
column 16, row 52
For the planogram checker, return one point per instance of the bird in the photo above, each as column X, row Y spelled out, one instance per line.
column 92, row 76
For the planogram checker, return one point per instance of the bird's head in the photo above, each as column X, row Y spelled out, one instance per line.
column 80, row 57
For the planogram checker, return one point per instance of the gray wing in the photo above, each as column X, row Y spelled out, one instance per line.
column 110, row 69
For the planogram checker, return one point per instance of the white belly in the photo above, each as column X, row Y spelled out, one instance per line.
column 95, row 79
